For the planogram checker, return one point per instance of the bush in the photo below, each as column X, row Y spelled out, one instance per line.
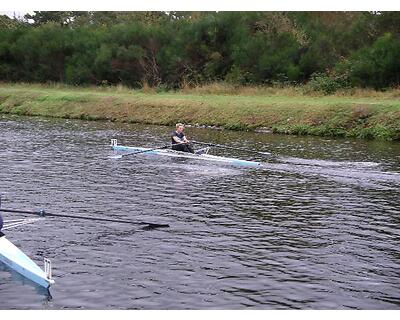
column 327, row 84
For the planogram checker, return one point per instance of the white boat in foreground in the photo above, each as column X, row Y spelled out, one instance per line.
column 14, row 258
column 177, row 154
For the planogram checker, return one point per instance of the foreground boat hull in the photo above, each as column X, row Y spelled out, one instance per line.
column 15, row 259
column 177, row 154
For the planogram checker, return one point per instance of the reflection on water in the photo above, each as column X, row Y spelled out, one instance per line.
column 317, row 227
column 9, row 275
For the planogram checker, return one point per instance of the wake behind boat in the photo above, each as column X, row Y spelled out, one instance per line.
column 171, row 153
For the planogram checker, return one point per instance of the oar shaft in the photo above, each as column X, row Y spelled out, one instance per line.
column 149, row 150
column 143, row 151
column 44, row 214
column 233, row 148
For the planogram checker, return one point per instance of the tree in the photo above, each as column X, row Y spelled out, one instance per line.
column 6, row 23
column 376, row 66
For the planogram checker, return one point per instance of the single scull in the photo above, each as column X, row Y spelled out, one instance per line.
column 178, row 154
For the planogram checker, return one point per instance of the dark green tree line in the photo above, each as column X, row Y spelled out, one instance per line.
column 172, row 49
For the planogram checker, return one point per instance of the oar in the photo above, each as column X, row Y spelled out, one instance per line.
column 143, row 151
column 228, row 147
column 42, row 213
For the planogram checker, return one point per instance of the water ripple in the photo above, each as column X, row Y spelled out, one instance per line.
column 315, row 228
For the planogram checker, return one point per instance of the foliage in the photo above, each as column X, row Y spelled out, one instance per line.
column 171, row 50
column 378, row 65
column 326, row 84
column 375, row 117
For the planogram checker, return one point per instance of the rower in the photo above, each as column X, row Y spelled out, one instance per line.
column 179, row 141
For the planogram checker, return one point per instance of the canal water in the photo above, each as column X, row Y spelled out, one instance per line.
column 316, row 227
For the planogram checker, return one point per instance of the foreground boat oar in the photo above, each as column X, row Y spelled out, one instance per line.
column 42, row 213
column 15, row 259
column 178, row 154
column 233, row 148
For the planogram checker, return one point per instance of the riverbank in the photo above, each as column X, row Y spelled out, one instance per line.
column 361, row 114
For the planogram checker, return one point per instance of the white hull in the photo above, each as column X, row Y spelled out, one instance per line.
column 21, row 263
column 177, row 154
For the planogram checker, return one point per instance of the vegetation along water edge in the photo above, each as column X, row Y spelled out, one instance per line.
column 290, row 110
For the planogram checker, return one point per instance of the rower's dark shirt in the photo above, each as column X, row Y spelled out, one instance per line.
column 1, row 222
column 176, row 134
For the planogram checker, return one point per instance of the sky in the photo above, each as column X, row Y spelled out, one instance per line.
column 23, row 6
column 16, row 13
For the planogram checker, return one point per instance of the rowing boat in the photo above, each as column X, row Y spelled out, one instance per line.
column 15, row 259
column 178, row 154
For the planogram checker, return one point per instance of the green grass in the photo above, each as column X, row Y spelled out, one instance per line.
column 362, row 114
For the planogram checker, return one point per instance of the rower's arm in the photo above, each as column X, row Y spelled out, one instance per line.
column 177, row 140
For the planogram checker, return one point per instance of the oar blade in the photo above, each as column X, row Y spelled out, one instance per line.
column 152, row 226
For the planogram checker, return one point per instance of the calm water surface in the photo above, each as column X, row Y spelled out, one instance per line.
column 318, row 227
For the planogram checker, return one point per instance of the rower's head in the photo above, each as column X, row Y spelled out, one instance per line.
column 180, row 127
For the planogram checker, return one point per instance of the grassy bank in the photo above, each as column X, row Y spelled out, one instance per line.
column 363, row 114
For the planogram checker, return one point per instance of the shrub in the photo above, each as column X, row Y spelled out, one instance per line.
column 325, row 83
